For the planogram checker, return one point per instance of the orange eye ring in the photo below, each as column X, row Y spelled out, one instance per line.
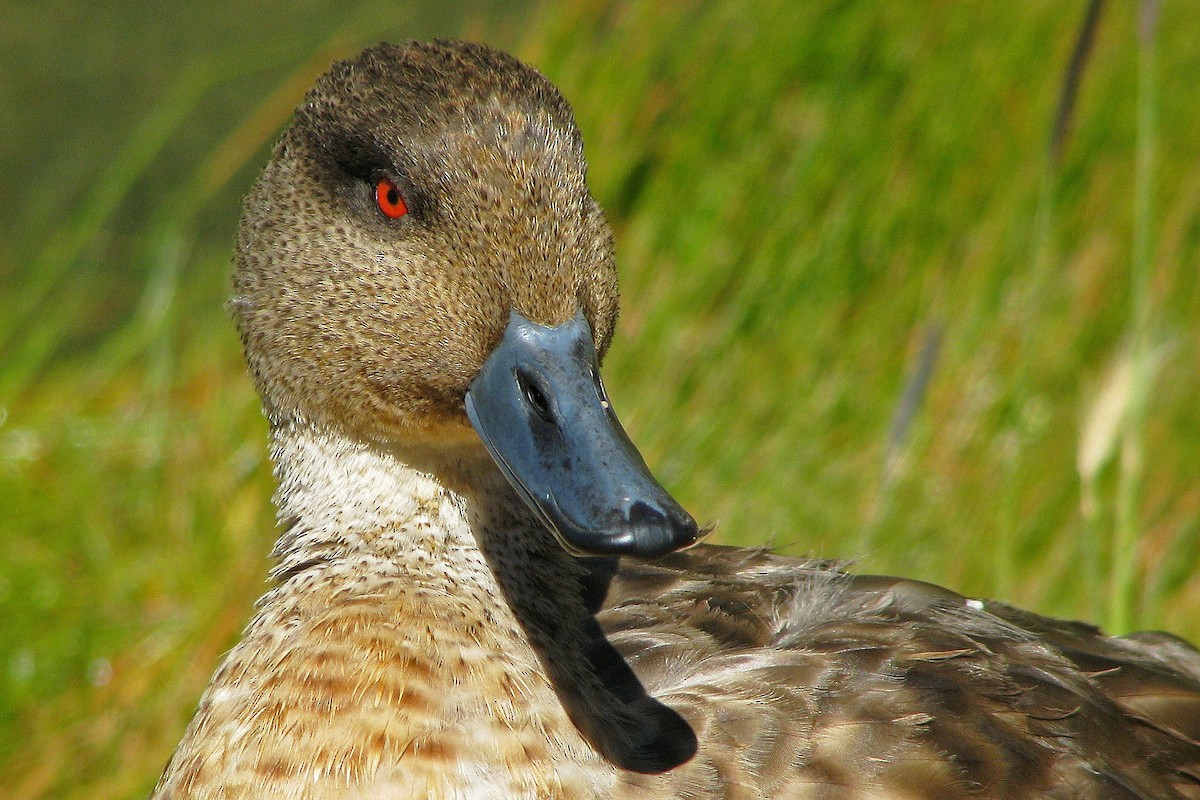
column 389, row 199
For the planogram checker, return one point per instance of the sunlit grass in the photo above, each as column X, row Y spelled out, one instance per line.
column 806, row 202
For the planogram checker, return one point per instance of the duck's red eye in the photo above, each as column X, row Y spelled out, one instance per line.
column 390, row 201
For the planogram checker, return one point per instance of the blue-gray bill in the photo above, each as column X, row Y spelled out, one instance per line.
column 541, row 410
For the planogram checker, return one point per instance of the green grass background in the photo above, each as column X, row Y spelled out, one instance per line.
column 807, row 198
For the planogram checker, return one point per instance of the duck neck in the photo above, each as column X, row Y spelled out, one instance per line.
column 444, row 540
column 343, row 499
column 444, row 523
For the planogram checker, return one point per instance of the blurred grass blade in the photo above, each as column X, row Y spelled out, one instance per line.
column 907, row 408
column 1132, row 464
column 1102, row 428
column 1072, row 77
column 1098, row 439
column 1124, row 572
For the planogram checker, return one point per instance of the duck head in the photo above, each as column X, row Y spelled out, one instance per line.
column 421, row 265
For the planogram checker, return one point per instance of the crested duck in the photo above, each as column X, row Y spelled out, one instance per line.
column 482, row 592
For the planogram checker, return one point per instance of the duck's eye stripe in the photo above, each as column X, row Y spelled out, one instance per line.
column 388, row 198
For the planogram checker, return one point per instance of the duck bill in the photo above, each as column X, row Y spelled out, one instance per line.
column 543, row 415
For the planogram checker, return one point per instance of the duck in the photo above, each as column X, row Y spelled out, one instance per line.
column 481, row 591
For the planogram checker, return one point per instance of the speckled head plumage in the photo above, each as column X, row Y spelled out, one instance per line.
column 379, row 325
